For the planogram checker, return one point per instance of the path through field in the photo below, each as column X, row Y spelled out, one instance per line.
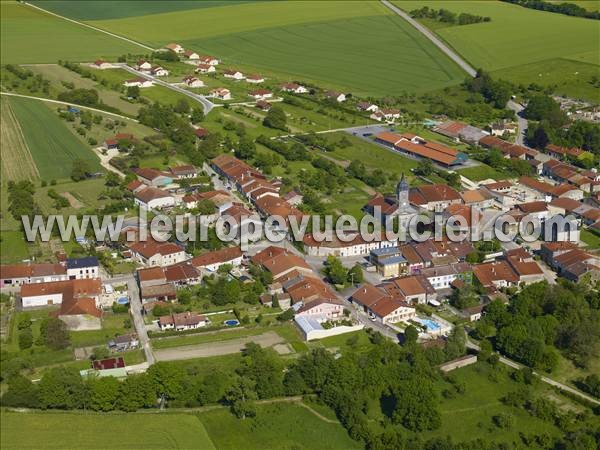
column 267, row 339
column 17, row 162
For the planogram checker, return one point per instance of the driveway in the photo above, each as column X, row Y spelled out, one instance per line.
column 218, row 348
column 136, row 313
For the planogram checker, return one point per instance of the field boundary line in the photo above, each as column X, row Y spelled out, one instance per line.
column 49, row 100
column 131, row 41
column 453, row 55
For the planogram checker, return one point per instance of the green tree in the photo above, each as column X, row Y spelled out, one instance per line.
column 167, row 380
column 241, row 398
column 104, row 393
column 424, row 167
column 335, row 271
column 62, row 388
column 356, row 275
column 136, row 392
column 25, row 339
column 80, row 170
column 276, row 118
column 133, row 92
column 182, row 106
column 411, row 334
column 54, row 334
column 21, row 392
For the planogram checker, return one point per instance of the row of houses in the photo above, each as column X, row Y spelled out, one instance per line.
column 16, row 275
column 254, row 186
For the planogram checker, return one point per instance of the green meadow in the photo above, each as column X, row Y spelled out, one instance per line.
column 52, row 146
column 102, row 431
column 359, row 47
column 516, row 35
column 32, row 36
column 104, row 9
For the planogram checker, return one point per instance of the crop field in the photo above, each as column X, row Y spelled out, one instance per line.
column 51, row 145
column 101, row 431
column 32, row 36
column 516, row 35
column 98, row 9
column 369, row 50
column 17, row 163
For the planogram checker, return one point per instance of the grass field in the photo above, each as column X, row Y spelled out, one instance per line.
column 481, row 172
column 32, row 36
column 51, row 145
column 98, row 9
column 276, row 426
column 357, row 46
column 17, row 163
column 516, row 35
column 102, row 431
column 469, row 416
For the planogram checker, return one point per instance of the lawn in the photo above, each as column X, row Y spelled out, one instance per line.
column 516, row 35
column 102, row 431
column 32, row 36
column 288, row 38
column 51, row 144
column 112, row 325
column 592, row 239
column 13, row 247
column 281, row 426
column 202, row 338
column 481, row 172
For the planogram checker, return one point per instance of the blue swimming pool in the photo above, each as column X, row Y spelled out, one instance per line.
column 123, row 300
column 231, row 323
column 431, row 325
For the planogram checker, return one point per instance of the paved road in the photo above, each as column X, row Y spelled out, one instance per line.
column 12, row 94
column 136, row 312
column 433, row 38
column 217, row 348
column 522, row 122
column 206, row 104
column 516, row 365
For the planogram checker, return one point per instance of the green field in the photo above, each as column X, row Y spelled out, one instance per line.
column 516, row 35
column 97, row 10
column 276, row 426
column 32, row 36
column 469, row 415
column 481, row 172
column 51, row 145
column 102, row 431
column 313, row 41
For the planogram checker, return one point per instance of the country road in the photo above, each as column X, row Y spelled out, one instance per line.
column 550, row 381
column 433, row 38
column 516, row 107
column 206, row 104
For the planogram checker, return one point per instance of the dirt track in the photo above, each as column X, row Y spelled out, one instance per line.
column 267, row 339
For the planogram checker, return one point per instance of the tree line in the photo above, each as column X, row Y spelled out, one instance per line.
column 567, row 8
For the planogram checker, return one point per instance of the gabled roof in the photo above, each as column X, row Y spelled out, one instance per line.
column 30, row 270
column 217, row 256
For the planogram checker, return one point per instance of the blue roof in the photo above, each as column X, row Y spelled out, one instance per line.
column 307, row 324
column 385, row 251
column 393, row 260
column 78, row 263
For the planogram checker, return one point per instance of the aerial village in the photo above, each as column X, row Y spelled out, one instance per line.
column 385, row 285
